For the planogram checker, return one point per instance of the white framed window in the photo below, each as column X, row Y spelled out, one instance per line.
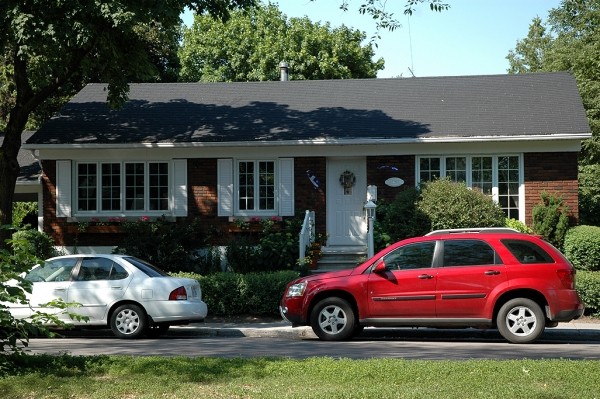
column 499, row 176
column 121, row 187
column 256, row 187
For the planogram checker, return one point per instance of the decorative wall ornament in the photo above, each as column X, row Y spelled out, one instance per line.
column 313, row 179
column 347, row 179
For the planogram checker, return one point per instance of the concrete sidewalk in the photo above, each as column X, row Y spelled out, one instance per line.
column 572, row 331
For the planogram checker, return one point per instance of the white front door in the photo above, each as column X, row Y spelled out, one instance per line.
column 346, row 224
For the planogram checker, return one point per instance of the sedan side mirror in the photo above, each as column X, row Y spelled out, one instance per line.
column 380, row 268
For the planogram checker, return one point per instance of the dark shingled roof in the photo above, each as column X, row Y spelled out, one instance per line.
column 413, row 108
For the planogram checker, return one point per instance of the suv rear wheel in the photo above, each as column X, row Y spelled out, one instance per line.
column 520, row 321
column 332, row 319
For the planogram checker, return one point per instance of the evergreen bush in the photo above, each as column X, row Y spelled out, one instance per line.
column 450, row 205
column 582, row 247
column 589, row 195
column 551, row 219
column 34, row 243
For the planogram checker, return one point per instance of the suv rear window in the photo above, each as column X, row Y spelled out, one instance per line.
column 527, row 252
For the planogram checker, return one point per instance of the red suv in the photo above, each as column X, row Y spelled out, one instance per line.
column 484, row 278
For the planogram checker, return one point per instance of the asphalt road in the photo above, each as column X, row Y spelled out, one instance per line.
column 427, row 344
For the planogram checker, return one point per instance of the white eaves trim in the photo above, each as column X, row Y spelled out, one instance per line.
column 324, row 141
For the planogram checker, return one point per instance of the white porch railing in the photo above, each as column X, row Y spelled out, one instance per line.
column 307, row 233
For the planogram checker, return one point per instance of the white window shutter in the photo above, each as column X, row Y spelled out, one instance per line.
column 63, row 189
column 286, row 187
column 225, row 187
column 180, row 191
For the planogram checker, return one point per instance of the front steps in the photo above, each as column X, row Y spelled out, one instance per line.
column 340, row 257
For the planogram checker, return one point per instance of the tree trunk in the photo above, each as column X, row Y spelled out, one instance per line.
column 9, row 168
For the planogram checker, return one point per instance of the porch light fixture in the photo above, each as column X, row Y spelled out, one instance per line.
column 370, row 211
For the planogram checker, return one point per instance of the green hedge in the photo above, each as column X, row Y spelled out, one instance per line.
column 582, row 247
column 588, row 287
column 230, row 294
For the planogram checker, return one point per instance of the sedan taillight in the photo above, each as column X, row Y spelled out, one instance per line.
column 178, row 294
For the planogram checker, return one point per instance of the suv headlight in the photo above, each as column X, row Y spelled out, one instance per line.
column 296, row 290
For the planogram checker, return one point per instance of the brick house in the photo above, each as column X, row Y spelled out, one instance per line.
column 224, row 151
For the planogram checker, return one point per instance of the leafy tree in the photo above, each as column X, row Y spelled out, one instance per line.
column 46, row 46
column 570, row 41
column 250, row 46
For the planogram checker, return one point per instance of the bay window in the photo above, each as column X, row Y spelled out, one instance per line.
column 498, row 176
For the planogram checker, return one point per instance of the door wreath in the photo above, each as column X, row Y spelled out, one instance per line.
column 347, row 179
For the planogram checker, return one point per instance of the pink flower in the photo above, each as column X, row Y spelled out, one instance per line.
column 145, row 218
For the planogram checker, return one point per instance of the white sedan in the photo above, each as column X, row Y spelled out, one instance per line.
column 127, row 294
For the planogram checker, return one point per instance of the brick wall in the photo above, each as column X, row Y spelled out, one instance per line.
column 378, row 171
column 555, row 173
column 307, row 197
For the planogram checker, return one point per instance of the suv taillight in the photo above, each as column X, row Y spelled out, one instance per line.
column 567, row 278
column 178, row 294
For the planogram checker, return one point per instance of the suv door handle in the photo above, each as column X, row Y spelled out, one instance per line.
column 425, row 276
column 492, row 273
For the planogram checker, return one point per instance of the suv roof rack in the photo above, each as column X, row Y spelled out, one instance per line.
column 488, row 230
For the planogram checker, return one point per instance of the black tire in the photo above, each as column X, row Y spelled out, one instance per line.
column 129, row 321
column 332, row 319
column 521, row 321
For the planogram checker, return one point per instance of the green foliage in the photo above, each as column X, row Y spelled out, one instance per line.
column 21, row 210
column 250, row 46
column 582, row 247
column 551, row 219
column 449, row 204
column 568, row 42
column 170, row 246
column 589, row 194
column 276, row 248
column 517, row 225
column 400, row 219
column 588, row 287
column 34, row 242
column 16, row 259
column 230, row 294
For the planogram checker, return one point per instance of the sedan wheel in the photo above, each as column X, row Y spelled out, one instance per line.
column 333, row 319
column 521, row 321
column 128, row 321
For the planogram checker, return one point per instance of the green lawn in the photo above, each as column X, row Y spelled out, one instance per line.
column 103, row 377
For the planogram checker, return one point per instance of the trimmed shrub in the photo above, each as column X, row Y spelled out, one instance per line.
column 230, row 294
column 517, row 225
column 582, row 247
column 400, row 219
column 170, row 246
column 588, row 287
column 551, row 219
column 450, row 205
column 35, row 243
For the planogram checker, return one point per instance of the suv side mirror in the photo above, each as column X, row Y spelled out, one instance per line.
column 380, row 268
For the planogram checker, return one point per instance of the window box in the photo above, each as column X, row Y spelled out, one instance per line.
column 95, row 229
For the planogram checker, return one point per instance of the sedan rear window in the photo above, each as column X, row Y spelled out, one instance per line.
column 527, row 252
column 147, row 268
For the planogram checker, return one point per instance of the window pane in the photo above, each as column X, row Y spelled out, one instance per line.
column 134, row 186
column 86, row 186
column 266, row 187
column 412, row 256
column 111, row 187
column 429, row 169
column 159, row 186
column 508, row 185
column 246, row 185
column 481, row 176
column 468, row 253
column 527, row 252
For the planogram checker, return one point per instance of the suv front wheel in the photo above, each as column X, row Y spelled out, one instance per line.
column 332, row 319
column 520, row 321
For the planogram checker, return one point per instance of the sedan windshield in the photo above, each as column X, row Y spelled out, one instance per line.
column 147, row 268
